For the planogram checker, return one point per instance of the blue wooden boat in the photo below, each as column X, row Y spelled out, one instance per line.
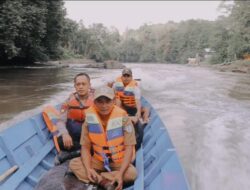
column 27, row 152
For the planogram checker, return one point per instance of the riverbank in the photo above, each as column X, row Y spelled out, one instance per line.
column 240, row 66
column 88, row 63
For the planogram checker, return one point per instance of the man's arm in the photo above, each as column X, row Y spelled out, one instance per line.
column 117, row 98
column 61, row 125
column 109, row 81
column 125, row 163
column 86, row 157
column 93, row 176
column 127, row 158
column 138, row 102
column 129, row 143
column 138, row 107
column 85, row 149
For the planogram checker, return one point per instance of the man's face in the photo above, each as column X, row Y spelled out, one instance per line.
column 104, row 105
column 82, row 85
column 126, row 78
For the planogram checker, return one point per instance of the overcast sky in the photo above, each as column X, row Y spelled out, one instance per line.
column 133, row 14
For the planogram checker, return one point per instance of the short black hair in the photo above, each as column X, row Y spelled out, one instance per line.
column 82, row 74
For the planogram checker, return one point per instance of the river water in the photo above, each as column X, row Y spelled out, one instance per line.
column 206, row 112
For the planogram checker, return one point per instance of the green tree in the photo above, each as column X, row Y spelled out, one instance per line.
column 232, row 32
column 220, row 41
column 102, row 43
column 240, row 25
column 54, row 28
column 188, row 39
column 130, row 50
column 21, row 30
column 27, row 31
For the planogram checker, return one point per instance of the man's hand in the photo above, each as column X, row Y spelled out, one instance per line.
column 138, row 114
column 134, row 119
column 93, row 176
column 118, row 179
column 67, row 141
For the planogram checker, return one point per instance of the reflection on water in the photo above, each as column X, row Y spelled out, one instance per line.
column 207, row 113
column 26, row 88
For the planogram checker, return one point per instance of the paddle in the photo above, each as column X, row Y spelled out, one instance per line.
column 8, row 173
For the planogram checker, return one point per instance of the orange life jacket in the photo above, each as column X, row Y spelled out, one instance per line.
column 51, row 117
column 126, row 93
column 109, row 142
column 76, row 110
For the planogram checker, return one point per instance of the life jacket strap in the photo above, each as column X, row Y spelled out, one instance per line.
column 74, row 120
column 106, row 147
column 110, row 154
column 78, row 107
column 106, row 162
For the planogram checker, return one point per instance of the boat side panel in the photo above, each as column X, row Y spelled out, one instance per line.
column 170, row 176
column 26, row 169
column 28, row 145
column 162, row 168
column 4, row 162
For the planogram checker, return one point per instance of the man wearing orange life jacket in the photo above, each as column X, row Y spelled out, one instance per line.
column 110, row 133
column 73, row 114
column 145, row 111
column 128, row 97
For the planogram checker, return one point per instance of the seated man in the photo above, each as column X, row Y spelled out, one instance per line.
column 145, row 111
column 109, row 132
column 128, row 97
column 72, row 116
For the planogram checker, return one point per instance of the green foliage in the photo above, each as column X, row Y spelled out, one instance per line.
column 188, row 39
column 240, row 26
column 67, row 54
column 38, row 30
column 54, row 27
column 96, row 43
column 232, row 33
column 219, row 41
column 27, row 31
column 130, row 50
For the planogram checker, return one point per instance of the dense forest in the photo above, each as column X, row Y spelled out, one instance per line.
column 38, row 30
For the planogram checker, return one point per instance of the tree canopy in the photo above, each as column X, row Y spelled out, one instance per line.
column 30, row 30
column 38, row 31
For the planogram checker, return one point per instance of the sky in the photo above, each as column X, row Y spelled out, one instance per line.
column 133, row 14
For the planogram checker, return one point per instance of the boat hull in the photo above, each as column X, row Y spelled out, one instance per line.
column 29, row 146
